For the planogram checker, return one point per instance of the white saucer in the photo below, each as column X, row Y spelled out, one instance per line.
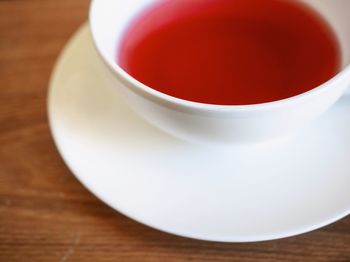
column 219, row 194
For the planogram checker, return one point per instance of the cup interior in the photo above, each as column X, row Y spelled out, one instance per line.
column 110, row 19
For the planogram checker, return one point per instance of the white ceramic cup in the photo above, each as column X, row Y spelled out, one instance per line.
column 218, row 124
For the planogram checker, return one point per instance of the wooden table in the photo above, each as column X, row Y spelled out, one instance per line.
column 45, row 213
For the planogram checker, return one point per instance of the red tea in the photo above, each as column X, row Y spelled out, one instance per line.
column 230, row 52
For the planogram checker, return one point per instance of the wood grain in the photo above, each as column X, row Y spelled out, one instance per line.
column 45, row 213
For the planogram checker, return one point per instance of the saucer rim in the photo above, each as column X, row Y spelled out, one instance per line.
column 63, row 56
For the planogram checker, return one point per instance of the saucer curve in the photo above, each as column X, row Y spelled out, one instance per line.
column 233, row 194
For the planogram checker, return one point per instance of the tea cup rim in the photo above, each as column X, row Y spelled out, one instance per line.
column 148, row 91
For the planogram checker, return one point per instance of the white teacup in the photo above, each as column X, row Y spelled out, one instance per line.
column 219, row 124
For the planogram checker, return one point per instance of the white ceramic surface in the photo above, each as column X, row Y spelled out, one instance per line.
column 233, row 194
column 217, row 124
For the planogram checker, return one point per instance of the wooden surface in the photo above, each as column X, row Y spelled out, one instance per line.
column 45, row 213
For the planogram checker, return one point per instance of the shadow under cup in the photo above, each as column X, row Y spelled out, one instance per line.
column 218, row 124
